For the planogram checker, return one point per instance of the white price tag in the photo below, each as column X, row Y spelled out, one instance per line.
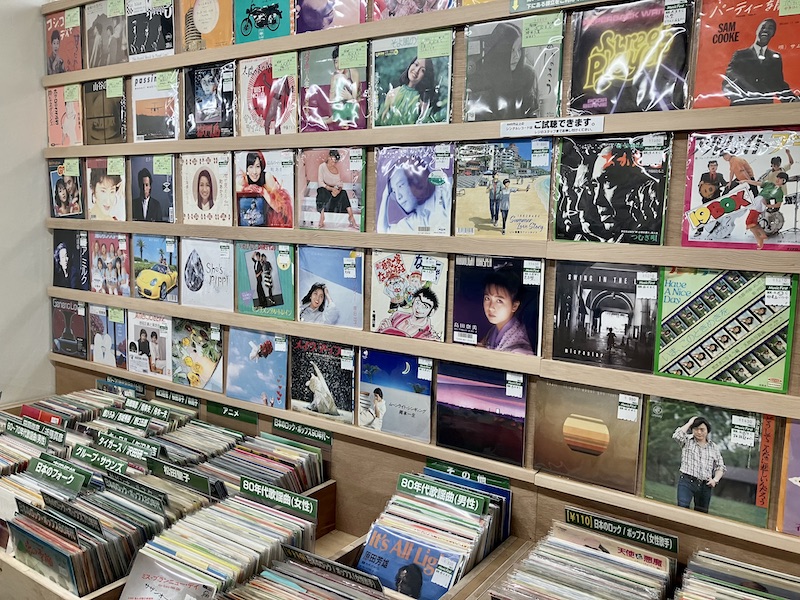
column 122, row 243
column 656, row 140
column 647, row 291
column 443, row 157
column 531, row 276
column 425, row 369
column 280, row 343
column 514, row 385
column 216, row 334
column 740, row 421
column 347, row 359
column 170, row 244
column 81, row 310
column 429, row 265
column 778, row 296
column 628, row 408
column 225, row 251
column 356, row 160
column 675, row 16
column 743, row 437
column 83, row 240
column 778, row 281
column 349, row 268
column 647, row 276
column 445, row 569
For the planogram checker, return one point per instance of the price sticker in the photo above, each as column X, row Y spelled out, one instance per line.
column 114, row 87
column 778, row 296
column 162, row 164
column 356, row 159
column 442, row 156
column 115, row 8
column 353, row 56
column 434, row 44
column 646, row 290
column 675, row 15
column 349, row 268
column 116, row 165
column 541, row 30
column 284, row 65
column 225, row 251
column 170, row 244
column 216, row 333
column 514, row 385
column 72, row 18
column 72, row 167
column 81, row 309
column 628, row 408
column 72, row 93
column 347, row 357
column 789, row 7
column 116, row 315
column 743, row 437
column 443, row 575
column 167, row 80
column 741, row 421
column 280, row 343
column 425, row 369
column 429, row 268
column 532, row 272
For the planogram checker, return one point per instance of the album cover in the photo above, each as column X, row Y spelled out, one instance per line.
column 206, row 24
column 630, row 57
column 386, row 9
column 511, row 76
column 150, row 344
column 66, row 188
column 106, row 33
column 105, row 191
column 331, row 98
column 414, row 189
column 730, row 327
column 156, row 109
column 497, row 303
column 330, row 187
column 739, row 452
column 155, row 267
column 481, row 411
column 69, row 327
column 196, row 354
column 750, row 202
column 750, row 55
column 110, row 263
column 206, row 186
column 64, row 116
column 108, row 336
column 312, row 16
column 265, row 279
column 105, row 114
column 262, row 19
column 71, row 259
column 409, row 294
column 48, row 560
column 605, row 314
column 513, row 178
column 323, row 378
column 395, row 394
column 257, row 367
column 62, row 39
column 407, row 89
column 589, row 434
column 265, row 188
column 267, row 95
column 153, row 188
column 151, row 30
column 330, row 286
column 207, row 273
column 788, row 499
column 209, row 100
column 613, row 189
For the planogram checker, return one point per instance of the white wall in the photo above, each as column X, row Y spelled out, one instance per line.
column 25, row 243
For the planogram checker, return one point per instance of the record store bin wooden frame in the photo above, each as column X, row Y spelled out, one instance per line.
column 366, row 463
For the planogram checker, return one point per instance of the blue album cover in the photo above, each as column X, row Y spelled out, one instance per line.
column 257, row 364
column 155, row 267
column 261, row 20
column 331, row 286
column 47, row 560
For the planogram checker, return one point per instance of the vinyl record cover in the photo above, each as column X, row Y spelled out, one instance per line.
column 110, row 263
column 257, row 367
column 742, row 190
column 331, row 98
column 155, row 267
column 408, row 89
column 631, row 57
column 330, row 286
column 265, row 279
column 197, row 354
column 153, row 188
column 256, row 20
column 209, row 100
column 497, row 303
column 605, row 314
column 740, row 444
column 105, row 114
column 71, row 259
column 409, row 294
column 730, row 327
column 789, row 499
column 206, row 273
column 69, row 327
column 323, row 378
column 267, row 95
column 108, row 334
column 206, row 186
column 151, row 29
column 66, row 188
column 481, row 411
column 47, row 559
column 330, row 188
column 401, row 8
column 613, row 189
column 62, row 38
column 750, row 55
column 395, row 394
column 487, row 206
column 64, row 116
column 206, row 24
column 414, row 189
column 264, row 183
column 312, row 16
column 150, row 344
column 156, row 109
column 588, row 433
column 511, row 75
column 106, row 33
column 105, row 191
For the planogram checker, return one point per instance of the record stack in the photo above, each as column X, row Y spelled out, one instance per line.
column 711, row 576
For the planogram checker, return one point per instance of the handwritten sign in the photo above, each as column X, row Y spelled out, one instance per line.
column 434, row 44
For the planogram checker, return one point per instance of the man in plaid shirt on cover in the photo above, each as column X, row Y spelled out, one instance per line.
column 701, row 464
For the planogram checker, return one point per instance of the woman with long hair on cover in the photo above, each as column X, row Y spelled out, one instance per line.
column 412, row 101
column 257, row 181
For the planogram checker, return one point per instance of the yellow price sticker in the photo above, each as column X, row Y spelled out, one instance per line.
column 284, row 65
column 115, row 165
column 114, row 87
column 166, row 80
column 162, row 164
column 353, row 56
column 434, row 44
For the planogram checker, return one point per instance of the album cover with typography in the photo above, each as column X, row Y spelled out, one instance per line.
column 267, row 95
column 108, row 335
column 151, row 30
column 330, row 286
column 62, row 39
column 156, row 108
column 206, row 274
column 265, row 279
column 66, row 187
column 209, row 100
column 106, row 33
column 150, row 344
column 264, row 182
column 323, row 378
column 105, row 113
column 64, row 116
column 110, row 263
column 68, row 327
column 206, row 185
column 206, row 24
column 105, row 188
column 153, row 188
column 71, row 259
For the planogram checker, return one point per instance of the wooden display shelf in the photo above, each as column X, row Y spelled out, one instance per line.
column 481, row 591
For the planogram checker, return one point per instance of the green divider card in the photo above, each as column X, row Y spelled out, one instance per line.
column 125, row 418
column 434, row 43
column 139, row 387
column 72, row 93
column 306, row 431
column 789, row 7
column 353, row 55
column 49, row 521
column 116, row 315
column 73, row 512
column 72, row 18
column 99, row 459
column 137, row 485
column 68, row 466
column 181, row 476
column 177, row 398
column 149, row 448
column 620, row 529
column 115, row 8
column 343, row 571
column 162, row 164
column 419, row 486
column 146, row 408
column 115, row 87
column 468, row 473
column 72, row 167
column 270, row 494
column 541, row 30
column 116, row 165
column 55, row 474
column 121, row 447
column 166, row 80
column 57, row 435
column 26, row 433
column 231, row 412
column 284, row 65
column 134, row 495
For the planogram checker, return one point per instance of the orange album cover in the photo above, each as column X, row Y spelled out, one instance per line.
column 206, row 24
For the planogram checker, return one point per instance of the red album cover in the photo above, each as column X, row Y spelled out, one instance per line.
column 62, row 38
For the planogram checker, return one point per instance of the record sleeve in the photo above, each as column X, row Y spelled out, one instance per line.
column 409, row 294
column 497, row 303
column 206, row 24
column 257, row 367
column 750, row 202
column 331, row 98
column 330, row 286
column 196, row 354
column 264, row 183
column 311, row 16
column 105, row 190
column 631, row 57
column 605, row 314
column 330, row 188
column 110, row 263
column 69, row 327
column 265, row 279
column 408, row 89
column 262, row 20
column 414, row 189
column 108, row 334
column 511, row 76
column 323, row 378
column 106, row 33
column 789, row 500
column 66, row 188
column 730, row 327
column 156, row 110
column 155, row 267
column 48, row 560
column 62, row 38
column 386, row 9
column 209, row 100
column 267, row 95
column 64, row 116
column 395, row 394
column 206, row 186
column 71, row 259
column 153, row 188
column 150, row 344
column 152, row 578
column 613, row 189
column 151, row 29
column 519, row 208
column 206, row 273
column 105, row 115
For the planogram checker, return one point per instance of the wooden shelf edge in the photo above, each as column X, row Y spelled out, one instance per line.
column 480, row 592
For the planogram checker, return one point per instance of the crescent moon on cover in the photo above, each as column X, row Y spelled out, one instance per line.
column 407, row 369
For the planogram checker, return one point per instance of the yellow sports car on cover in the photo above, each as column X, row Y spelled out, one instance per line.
column 156, row 282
